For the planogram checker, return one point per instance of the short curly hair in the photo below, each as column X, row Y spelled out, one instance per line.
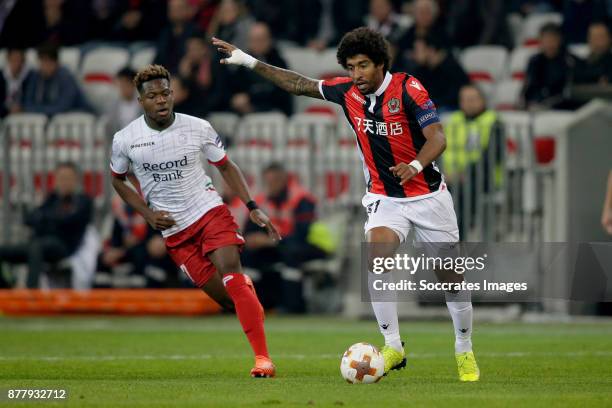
column 364, row 40
column 149, row 73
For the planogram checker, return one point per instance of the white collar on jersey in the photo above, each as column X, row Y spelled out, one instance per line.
column 383, row 87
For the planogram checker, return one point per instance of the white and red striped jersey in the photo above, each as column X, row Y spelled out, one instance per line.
column 168, row 165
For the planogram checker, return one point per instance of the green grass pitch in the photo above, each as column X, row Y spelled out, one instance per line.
column 202, row 362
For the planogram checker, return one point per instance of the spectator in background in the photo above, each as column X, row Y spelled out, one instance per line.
column 204, row 75
column 186, row 100
column 126, row 108
column 292, row 209
column 251, row 92
column 469, row 132
column 579, row 14
column 52, row 89
column 58, row 225
column 293, row 20
column 438, row 71
column 550, row 72
column 64, row 23
column 13, row 78
column 526, row 7
column 204, row 12
column 383, row 19
column 473, row 22
column 425, row 14
column 104, row 15
column 597, row 68
column 34, row 22
column 133, row 242
column 171, row 45
column 140, row 20
column 232, row 22
column 347, row 15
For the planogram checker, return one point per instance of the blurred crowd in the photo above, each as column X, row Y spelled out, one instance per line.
column 425, row 37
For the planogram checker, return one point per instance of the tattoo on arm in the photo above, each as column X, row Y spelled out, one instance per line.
column 290, row 81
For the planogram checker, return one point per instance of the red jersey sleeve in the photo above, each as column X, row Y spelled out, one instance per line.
column 333, row 89
column 419, row 104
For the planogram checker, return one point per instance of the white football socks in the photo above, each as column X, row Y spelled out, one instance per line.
column 460, row 307
column 386, row 316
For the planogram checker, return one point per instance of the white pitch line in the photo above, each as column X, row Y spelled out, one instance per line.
column 597, row 353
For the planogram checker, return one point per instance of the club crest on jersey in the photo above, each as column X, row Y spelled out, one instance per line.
column 393, row 105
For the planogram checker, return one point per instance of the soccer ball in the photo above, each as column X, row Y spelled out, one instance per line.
column 362, row 363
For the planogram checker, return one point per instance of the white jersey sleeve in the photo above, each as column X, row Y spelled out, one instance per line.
column 120, row 163
column 212, row 145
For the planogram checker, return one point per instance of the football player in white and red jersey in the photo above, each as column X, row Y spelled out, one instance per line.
column 399, row 137
column 163, row 149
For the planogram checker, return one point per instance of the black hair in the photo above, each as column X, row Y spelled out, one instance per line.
column 436, row 40
column 274, row 166
column 366, row 41
column 551, row 28
column 127, row 73
column 49, row 51
column 15, row 49
column 149, row 73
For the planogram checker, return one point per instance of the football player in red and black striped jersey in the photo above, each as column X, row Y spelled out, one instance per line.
column 399, row 137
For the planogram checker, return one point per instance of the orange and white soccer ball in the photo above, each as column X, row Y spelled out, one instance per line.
column 362, row 363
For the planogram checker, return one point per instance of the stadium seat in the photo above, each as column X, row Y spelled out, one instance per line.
column 580, row 50
column 142, row 57
column 264, row 129
column 26, row 128
column 70, row 57
column 252, row 159
column 102, row 63
column 101, row 95
column 517, row 128
column 515, row 22
column 312, row 63
column 546, row 128
column 507, row 95
column 27, row 153
column 519, row 59
column 32, row 58
column 485, row 63
column 317, row 131
column 74, row 137
column 532, row 25
column 225, row 123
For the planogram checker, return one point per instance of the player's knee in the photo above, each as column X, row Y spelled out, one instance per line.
column 229, row 266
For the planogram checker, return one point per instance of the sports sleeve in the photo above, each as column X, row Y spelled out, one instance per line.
column 419, row 104
column 212, row 145
column 119, row 162
column 333, row 90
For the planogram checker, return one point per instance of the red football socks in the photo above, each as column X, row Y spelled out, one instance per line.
column 248, row 309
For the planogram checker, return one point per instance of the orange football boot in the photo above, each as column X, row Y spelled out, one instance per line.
column 264, row 368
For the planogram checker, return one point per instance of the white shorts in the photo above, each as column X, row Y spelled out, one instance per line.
column 432, row 218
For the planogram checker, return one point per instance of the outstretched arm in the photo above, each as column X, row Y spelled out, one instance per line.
column 290, row 81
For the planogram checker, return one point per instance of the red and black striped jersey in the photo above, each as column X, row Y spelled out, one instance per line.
column 389, row 128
